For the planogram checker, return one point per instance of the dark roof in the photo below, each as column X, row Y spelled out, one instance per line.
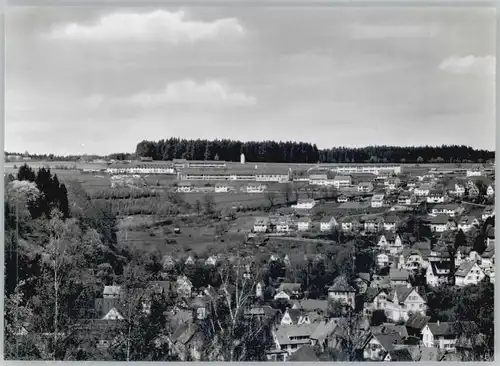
column 442, row 329
column 401, row 355
column 402, row 292
column 304, row 354
column 464, row 268
column 388, row 340
column 341, row 285
column 104, row 305
column 311, row 304
column 399, row 274
column 417, row 321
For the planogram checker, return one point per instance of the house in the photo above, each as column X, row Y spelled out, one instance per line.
column 451, row 210
column 342, row 198
column 467, row 222
column 211, row 261
column 222, row 188
column 378, row 345
column 323, row 332
column 392, row 183
column 112, row 292
column 305, row 204
column 261, row 225
column 377, row 200
column 373, row 224
column 342, row 181
column 415, row 257
column 390, row 242
column 304, row 224
column 375, row 299
column 342, row 292
column 187, row 341
column 365, row 187
column 283, row 225
column 184, row 287
column 415, row 323
column 288, row 291
column 311, row 305
column 318, row 179
column 291, row 337
column 254, row 188
column 422, row 191
column 189, row 261
column 109, row 309
column 382, row 260
column 328, row 223
column 399, row 277
column 390, row 223
column 406, row 198
column 469, row 273
column 295, row 317
column 349, row 224
column 435, row 196
column 437, row 273
column 459, row 190
column 185, row 187
column 404, row 301
column 442, row 223
column 488, row 212
column 444, row 335
column 490, row 191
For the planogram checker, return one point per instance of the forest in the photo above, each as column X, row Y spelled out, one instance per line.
column 299, row 152
column 287, row 152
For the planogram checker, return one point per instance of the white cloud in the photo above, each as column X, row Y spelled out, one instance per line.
column 172, row 27
column 469, row 65
column 210, row 93
column 393, row 31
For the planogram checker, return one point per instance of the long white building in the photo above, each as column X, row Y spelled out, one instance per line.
column 140, row 168
column 363, row 168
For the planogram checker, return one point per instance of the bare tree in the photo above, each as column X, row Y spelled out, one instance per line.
column 287, row 192
column 233, row 336
column 271, row 197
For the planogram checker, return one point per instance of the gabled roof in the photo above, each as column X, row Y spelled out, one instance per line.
column 311, row 304
column 402, row 292
column 399, row 274
column 284, row 332
column 341, row 285
column 401, row 355
column 417, row 321
column 294, row 314
column 435, row 266
column 442, row 329
column 464, row 268
column 440, row 219
column 305, row 353
column 388, row 340
column 323, row 329
column 112, row 290
column 289, row 287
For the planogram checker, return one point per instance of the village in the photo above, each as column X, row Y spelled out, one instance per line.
column 418, row 232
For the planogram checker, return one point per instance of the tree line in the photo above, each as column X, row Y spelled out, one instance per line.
column 300, row 152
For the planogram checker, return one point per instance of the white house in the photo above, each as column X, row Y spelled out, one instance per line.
column 211, row 261
column 328, row 223
column 254, row 188
column 304, row 224
column 440, row 335
column 391, row 242
column 399, row 276
column 288, row 291
column 318, row 179
column 185, row 187
column 290, row 338
column 342, row 181
column 382, row 260
column 365, row 187
column 261, row 225
column 305, row 204
column 490, row 191
column 437, row 273
column 392, row 183
column 406, row 198
column 390, row 223
column 404, row 301
column 441, row 223
column 474, row 173
column 342, row 292
column 283, row 226
column 342, row 198
column 222, row 188
column 435, row 196
column 295, row 317
column 467, row 222
column 112, row 292
column 488, row 212
column 349, row 224
column 459, row 190
column 469, row 273
column 373, row 224
column 422, row 191
column 450, row 210
column 377, row 200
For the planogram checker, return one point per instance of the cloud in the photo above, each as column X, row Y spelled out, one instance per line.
column 393, row 31
column 209, row 93
column 469, row 65
column 172, row 27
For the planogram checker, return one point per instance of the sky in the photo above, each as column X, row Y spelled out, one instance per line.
column 100, row 80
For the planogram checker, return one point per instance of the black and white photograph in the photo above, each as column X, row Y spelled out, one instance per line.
column 249, row 183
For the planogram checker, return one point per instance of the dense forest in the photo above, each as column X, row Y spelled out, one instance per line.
column 299, row 152
column 287, row 152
